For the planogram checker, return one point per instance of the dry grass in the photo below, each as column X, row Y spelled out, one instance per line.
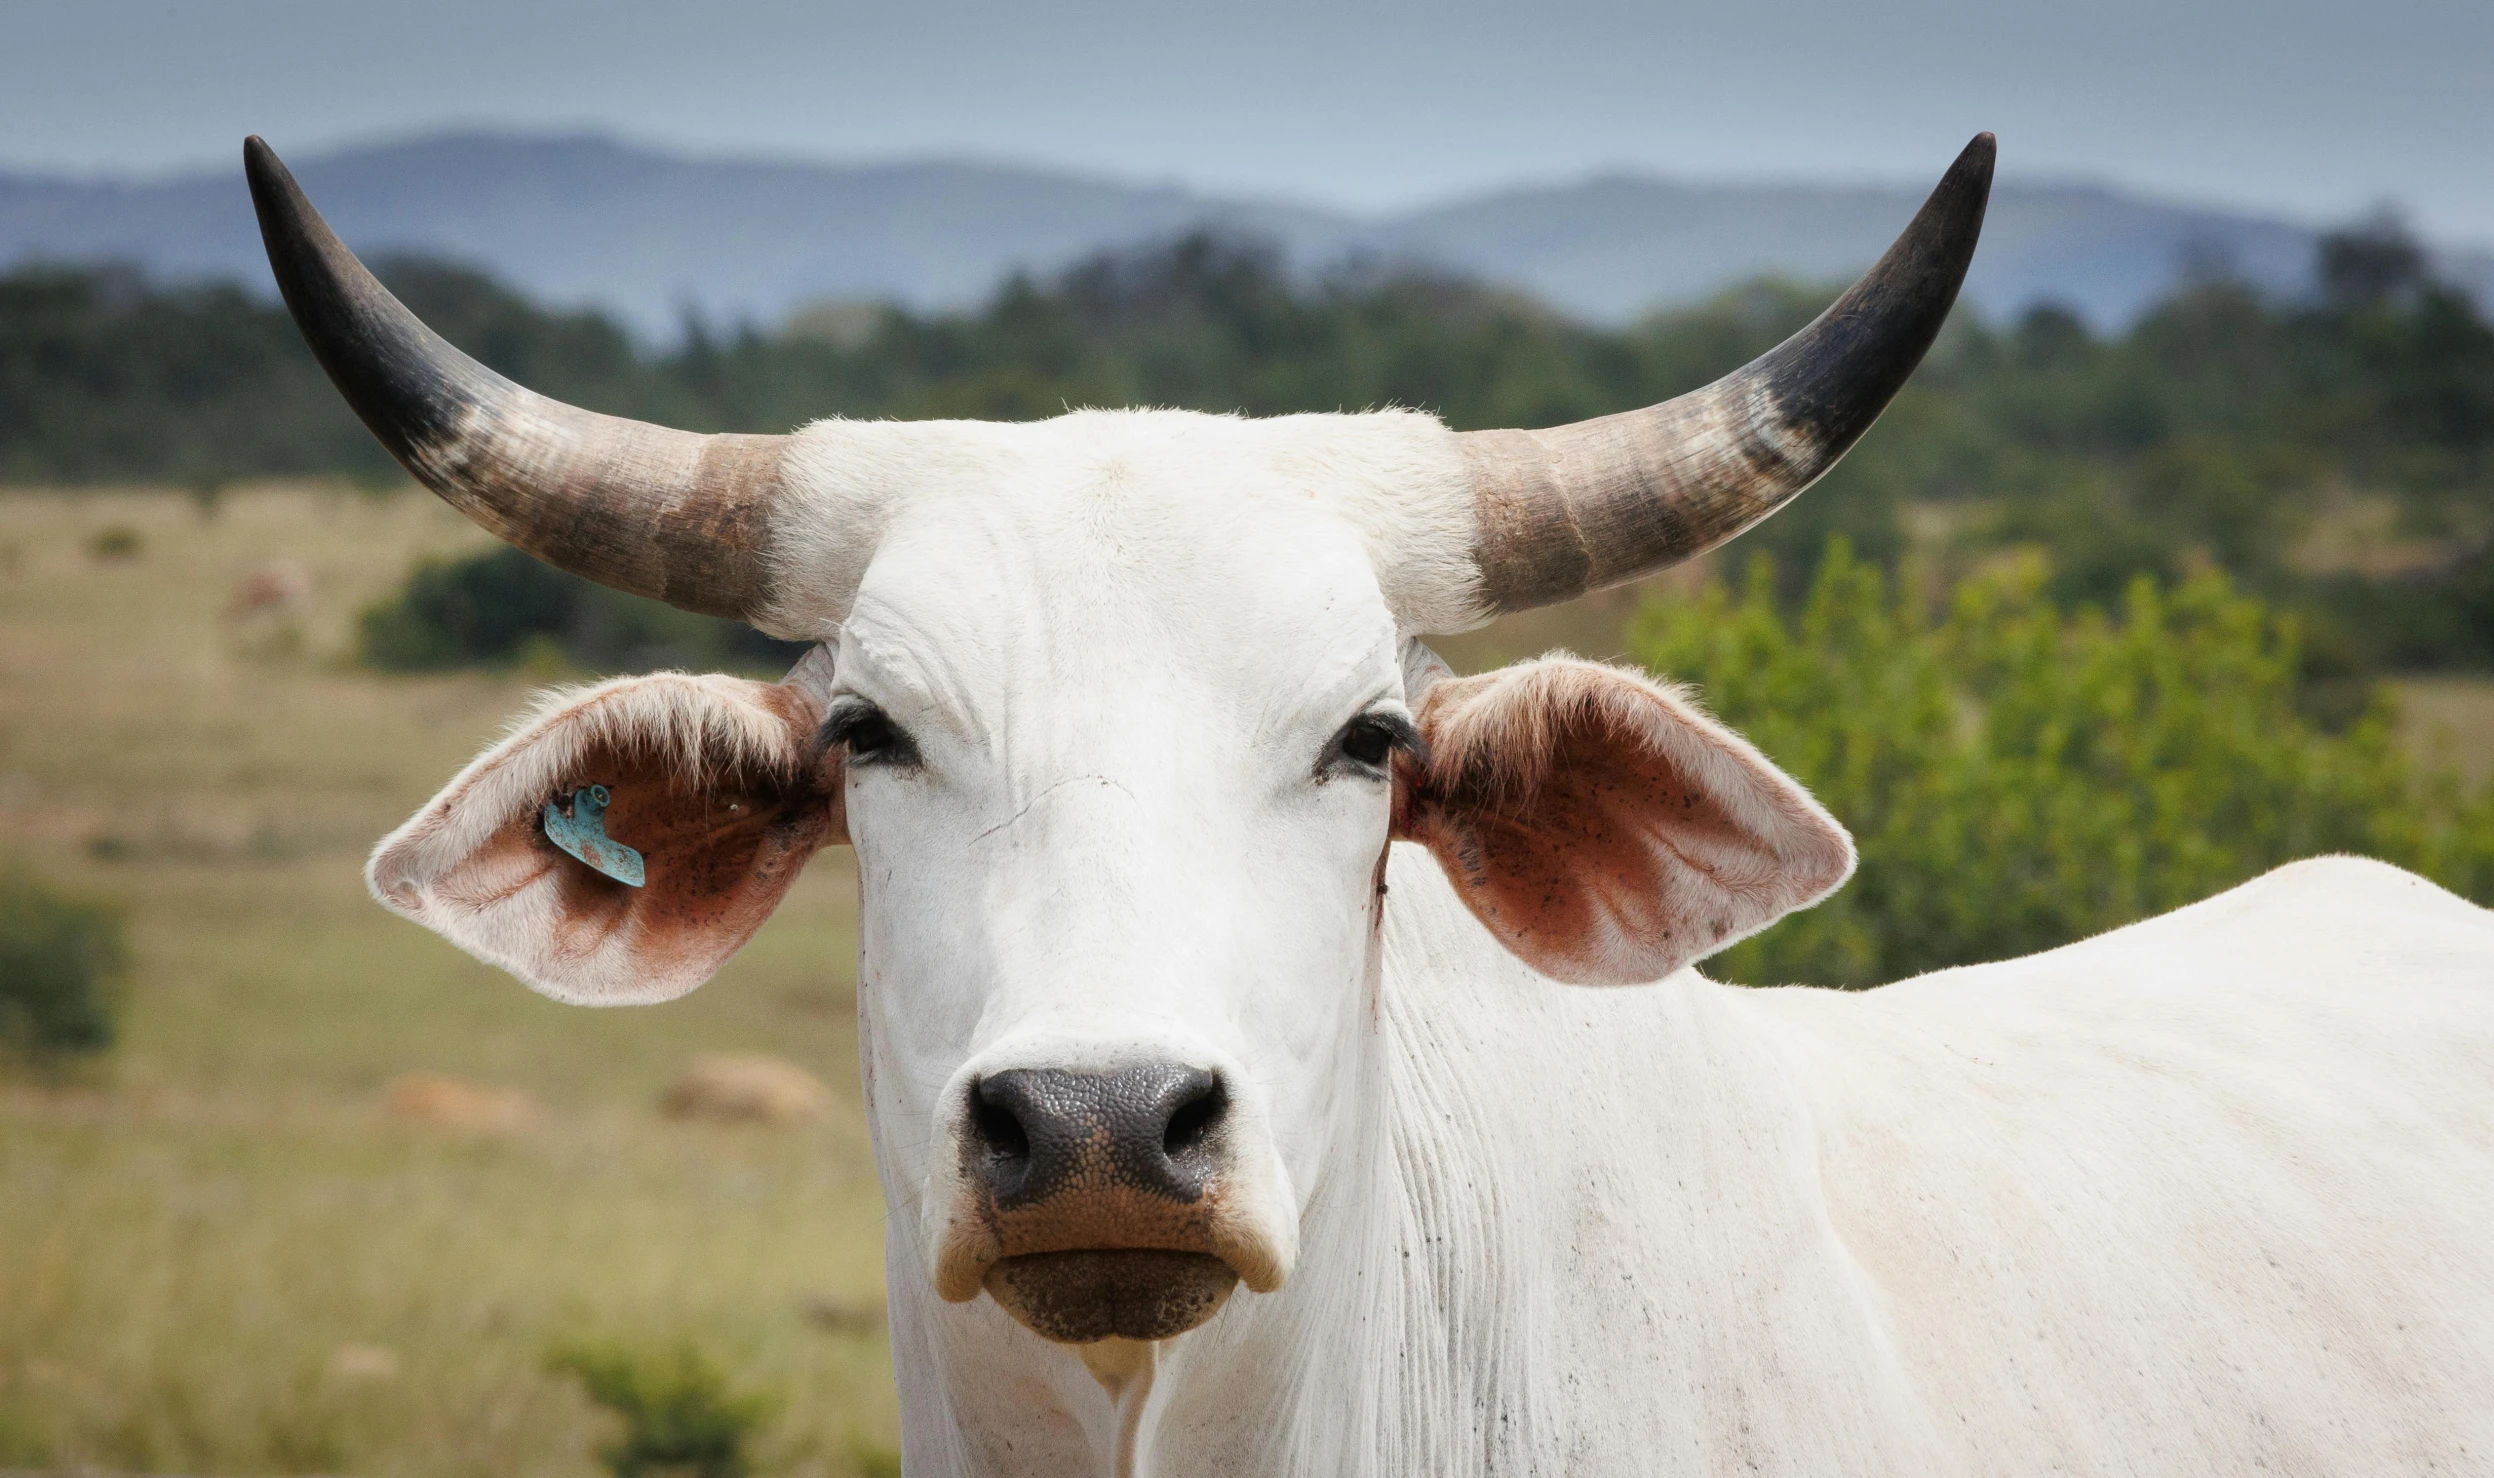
column 2450, row 721
column 219, row 1255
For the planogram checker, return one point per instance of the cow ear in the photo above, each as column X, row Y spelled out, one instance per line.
column 719, row 784
column 1602, row 827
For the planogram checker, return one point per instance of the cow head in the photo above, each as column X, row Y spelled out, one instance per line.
column 1121, row 712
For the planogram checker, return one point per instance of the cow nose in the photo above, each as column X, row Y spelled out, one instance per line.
column 1151, row 1128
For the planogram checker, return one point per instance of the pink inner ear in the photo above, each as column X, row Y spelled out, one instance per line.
column 1606, row 832
column 1617, row 861
column 712, row 781
column 718, row 859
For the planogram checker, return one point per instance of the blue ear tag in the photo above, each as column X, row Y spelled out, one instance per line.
column 581, row 831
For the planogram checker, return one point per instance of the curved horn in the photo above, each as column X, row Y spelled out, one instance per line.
column 1580, row 507
column 668, row 514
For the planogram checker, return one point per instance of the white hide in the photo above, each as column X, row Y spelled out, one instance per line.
column 1551, row 1229
column 2212, row 1194
column 1121, row 654
column 1392, row 479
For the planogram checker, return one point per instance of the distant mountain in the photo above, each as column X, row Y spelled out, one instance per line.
column 645, row 234
column 1610, row 247
column 649, row 235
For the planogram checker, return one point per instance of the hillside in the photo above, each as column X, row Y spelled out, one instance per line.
column 232, row 1249
column 646, row 234
column 2334, row 454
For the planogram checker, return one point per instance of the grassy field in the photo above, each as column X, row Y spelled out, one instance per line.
column 2450, row 721
column 217, row 1253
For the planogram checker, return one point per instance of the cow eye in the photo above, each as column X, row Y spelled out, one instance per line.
column 868, row 734
column 1366, row 744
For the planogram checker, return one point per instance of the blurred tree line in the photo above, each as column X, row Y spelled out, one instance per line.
column 2082, row 631
column 2018, row 774
column 2224, row 431
column 503, row 607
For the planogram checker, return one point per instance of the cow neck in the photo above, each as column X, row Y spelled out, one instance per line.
column 1425, row 1329
column 1550, row 1206
column 1494, row 1127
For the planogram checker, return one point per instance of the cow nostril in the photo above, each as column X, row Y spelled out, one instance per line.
column 1028, row 1134
column 997, row 1127
column 1194, row 1119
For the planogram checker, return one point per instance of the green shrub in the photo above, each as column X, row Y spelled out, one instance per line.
column 873, row 1459
column 494, row 608
column 459, row 612
column 2437, row 618
column 678, row 1414
column 60, row 956
column 116, row 541
column 2018, row 777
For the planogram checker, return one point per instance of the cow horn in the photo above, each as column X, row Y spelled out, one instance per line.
column 668, row 514
column 1576, row 508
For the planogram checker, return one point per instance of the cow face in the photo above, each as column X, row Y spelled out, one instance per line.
column 1120, row 739
column 1121, row 723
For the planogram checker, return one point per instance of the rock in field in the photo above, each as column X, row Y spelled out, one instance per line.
column 747, row 1088
column 436, row 1098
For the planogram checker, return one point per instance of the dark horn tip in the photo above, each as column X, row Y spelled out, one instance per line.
column 1837, row 375
column 1956, row 203
column 1959, row 199
column 265, row 172
column 405, row 383
column 1971, row 173
column 1580, row 508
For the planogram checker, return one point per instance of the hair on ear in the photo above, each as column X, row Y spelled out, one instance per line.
column 721, row 783
column 1603, row 826
column 1495, row 756
column 705, row 730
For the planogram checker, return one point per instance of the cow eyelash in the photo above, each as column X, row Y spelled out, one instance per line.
column 1367, row 746
column 869, row 735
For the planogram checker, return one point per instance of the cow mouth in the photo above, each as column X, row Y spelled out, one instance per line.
column 1076, row 1298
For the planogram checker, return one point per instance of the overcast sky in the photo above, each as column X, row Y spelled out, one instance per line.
column 2314, row 109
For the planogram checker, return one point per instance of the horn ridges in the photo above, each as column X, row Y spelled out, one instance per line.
column 1576, row 508
column 668, row 514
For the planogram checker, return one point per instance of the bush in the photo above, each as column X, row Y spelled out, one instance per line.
column 679, row 1416
column 116, row 541
column 60, row 956
column 454, row 613
column 2018, row 777
column 2434, row 619
column 494, row 608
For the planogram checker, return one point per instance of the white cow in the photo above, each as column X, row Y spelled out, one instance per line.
column 1213, row 935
